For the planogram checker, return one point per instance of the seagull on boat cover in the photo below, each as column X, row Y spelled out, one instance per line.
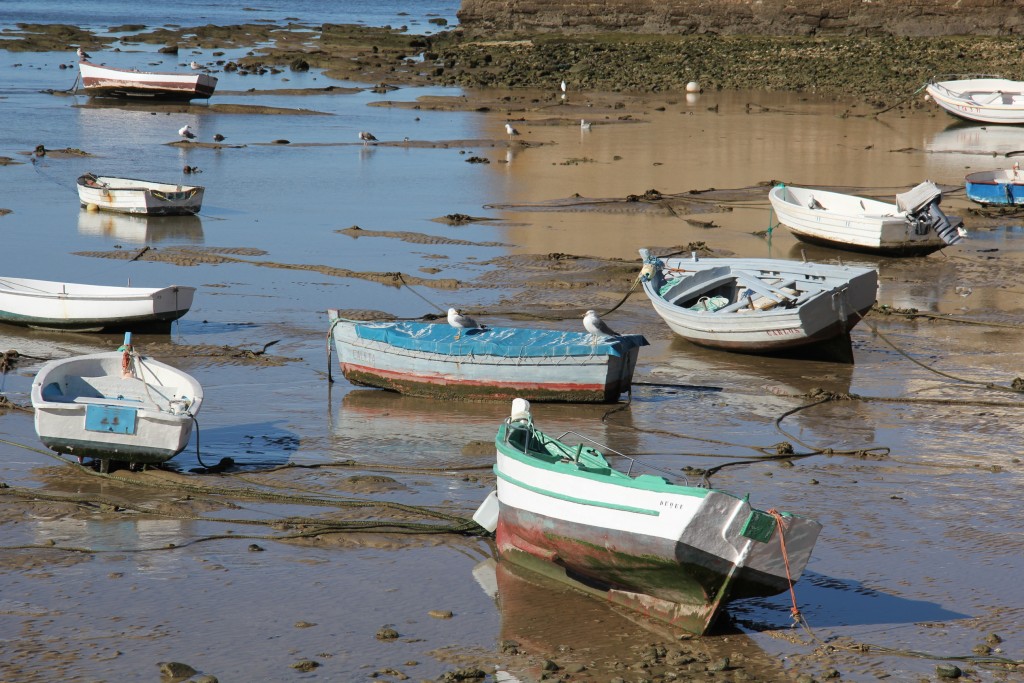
column 82, row 54
column 366, row 137
column 597, row 327
column 462, row 322
column 186, row 132
column 584, row 124
column 512, row 132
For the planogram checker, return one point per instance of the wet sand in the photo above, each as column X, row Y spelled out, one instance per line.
column 301, row 558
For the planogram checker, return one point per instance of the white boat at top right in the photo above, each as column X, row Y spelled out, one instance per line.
column 988, row 99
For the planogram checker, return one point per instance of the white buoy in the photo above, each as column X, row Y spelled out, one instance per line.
column 693, row 86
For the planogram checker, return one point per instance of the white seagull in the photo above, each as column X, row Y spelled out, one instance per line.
column 366, row 137
column 597, row 327
column 584, row 124
column 186, row 132
column 563, row 89
column 462, row 322
column 512, row 132
column 82, row 54
column 195, row 65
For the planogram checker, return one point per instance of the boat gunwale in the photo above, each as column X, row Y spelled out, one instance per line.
column 594, row 458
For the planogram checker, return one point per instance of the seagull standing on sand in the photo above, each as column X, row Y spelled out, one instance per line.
column 186, row 132
column 82, row 54
column 597, row 327
column 512, row 132
column 366, row 137
column 462, row 322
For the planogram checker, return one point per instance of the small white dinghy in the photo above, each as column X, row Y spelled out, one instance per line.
column 913, row 226
column 108, row 81
column 50, row 305
column 118, row 406
column 144, row 197
column 988, row 99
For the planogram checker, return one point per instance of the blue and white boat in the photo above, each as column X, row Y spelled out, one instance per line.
column 1004, row 187
column 493, row 363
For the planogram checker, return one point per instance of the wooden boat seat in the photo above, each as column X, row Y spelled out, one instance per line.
column 122, row 401
column 106, row 390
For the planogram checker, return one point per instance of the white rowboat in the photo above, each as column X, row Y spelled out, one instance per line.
column 988, row 99
column 116, row 406
column 128, row 195
column 913, row 226
column 48, row 305
column 107, row 81
column 760, row 306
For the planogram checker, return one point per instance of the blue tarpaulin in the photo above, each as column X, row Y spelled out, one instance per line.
column 508, row 342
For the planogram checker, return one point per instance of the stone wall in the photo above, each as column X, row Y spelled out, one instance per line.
column 748, row 17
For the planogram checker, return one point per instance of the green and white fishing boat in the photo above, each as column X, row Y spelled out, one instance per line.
column 675, row 552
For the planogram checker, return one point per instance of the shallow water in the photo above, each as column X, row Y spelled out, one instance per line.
column 920, row 550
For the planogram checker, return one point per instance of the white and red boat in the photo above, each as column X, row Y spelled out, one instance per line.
column 107, row 81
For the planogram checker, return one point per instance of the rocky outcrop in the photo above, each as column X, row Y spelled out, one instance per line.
column 748, row 17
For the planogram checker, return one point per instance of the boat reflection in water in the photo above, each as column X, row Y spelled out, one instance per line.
column 141, row 229
column 545, row 619
column 128, row 537
column 409, row 428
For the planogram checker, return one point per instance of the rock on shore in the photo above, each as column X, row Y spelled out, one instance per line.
column 748, row 17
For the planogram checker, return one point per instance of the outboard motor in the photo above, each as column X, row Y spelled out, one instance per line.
column 923, row 213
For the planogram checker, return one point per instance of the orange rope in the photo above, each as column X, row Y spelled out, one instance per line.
column 126, row 362
column 785, row 556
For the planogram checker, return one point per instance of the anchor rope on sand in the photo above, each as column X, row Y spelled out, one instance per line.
column 890, row 108
column 781, row 525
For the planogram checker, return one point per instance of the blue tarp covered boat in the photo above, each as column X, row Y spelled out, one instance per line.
column 495, row 363
column 1003, row 187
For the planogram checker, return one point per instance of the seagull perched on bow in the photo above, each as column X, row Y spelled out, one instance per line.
column 462, row 322
column 186, row 132
column 366, row 137
column 82, row 54
column 510, row 129
column 597, row 327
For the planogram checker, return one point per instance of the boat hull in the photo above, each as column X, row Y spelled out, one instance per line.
column 48, row 305
column 86, row 407
column 995, row 188
column 102, row 81
column 818, row 325
column 849, row 223
column 142, row 197
column 677, row 554
column 464, row 369
column 986, row 100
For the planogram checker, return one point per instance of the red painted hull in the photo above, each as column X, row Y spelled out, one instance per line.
column 664, row 580
column 442, row 386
